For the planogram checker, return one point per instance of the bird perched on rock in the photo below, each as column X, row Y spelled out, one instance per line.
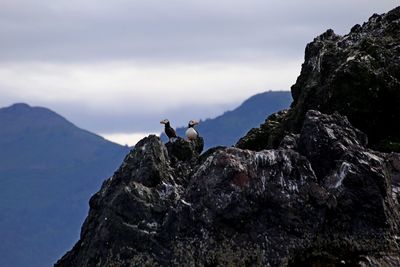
column 169, row 131
column 191, row 133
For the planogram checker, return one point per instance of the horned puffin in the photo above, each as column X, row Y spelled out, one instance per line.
column 191, row 133
column 169, row 131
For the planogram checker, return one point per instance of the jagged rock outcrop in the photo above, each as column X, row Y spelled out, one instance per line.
column 321, row 198
column 357, row 75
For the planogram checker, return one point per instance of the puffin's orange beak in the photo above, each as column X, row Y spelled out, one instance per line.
column 195, row 122
column 162, row 122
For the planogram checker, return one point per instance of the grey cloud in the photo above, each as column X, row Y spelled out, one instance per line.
column 171, row 30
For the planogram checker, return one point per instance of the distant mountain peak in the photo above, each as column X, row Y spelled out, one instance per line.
column 25, row 114
column 19, row 106
column 25, row 108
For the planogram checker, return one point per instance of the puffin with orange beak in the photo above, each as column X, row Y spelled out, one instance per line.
column 191, row 133
column 169, row 131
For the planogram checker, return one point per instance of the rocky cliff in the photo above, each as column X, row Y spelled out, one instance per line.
column 357, row 75
column 319, row 196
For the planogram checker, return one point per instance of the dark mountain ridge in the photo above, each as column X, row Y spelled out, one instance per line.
column 26, row 128
column 49, row 168
column 304, row 189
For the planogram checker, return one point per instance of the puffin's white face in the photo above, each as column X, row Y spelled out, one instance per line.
column 164, row 121
column 193, row 122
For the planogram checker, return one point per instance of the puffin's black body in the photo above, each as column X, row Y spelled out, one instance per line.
column 169, row 131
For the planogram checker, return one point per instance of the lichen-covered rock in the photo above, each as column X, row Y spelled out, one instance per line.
column 290, row 141
column 357, row 75
column 268, row 135
column 335, row 137
column 184, row 150
column 234, row 207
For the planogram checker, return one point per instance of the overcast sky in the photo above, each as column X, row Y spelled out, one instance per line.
column 118, row 67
